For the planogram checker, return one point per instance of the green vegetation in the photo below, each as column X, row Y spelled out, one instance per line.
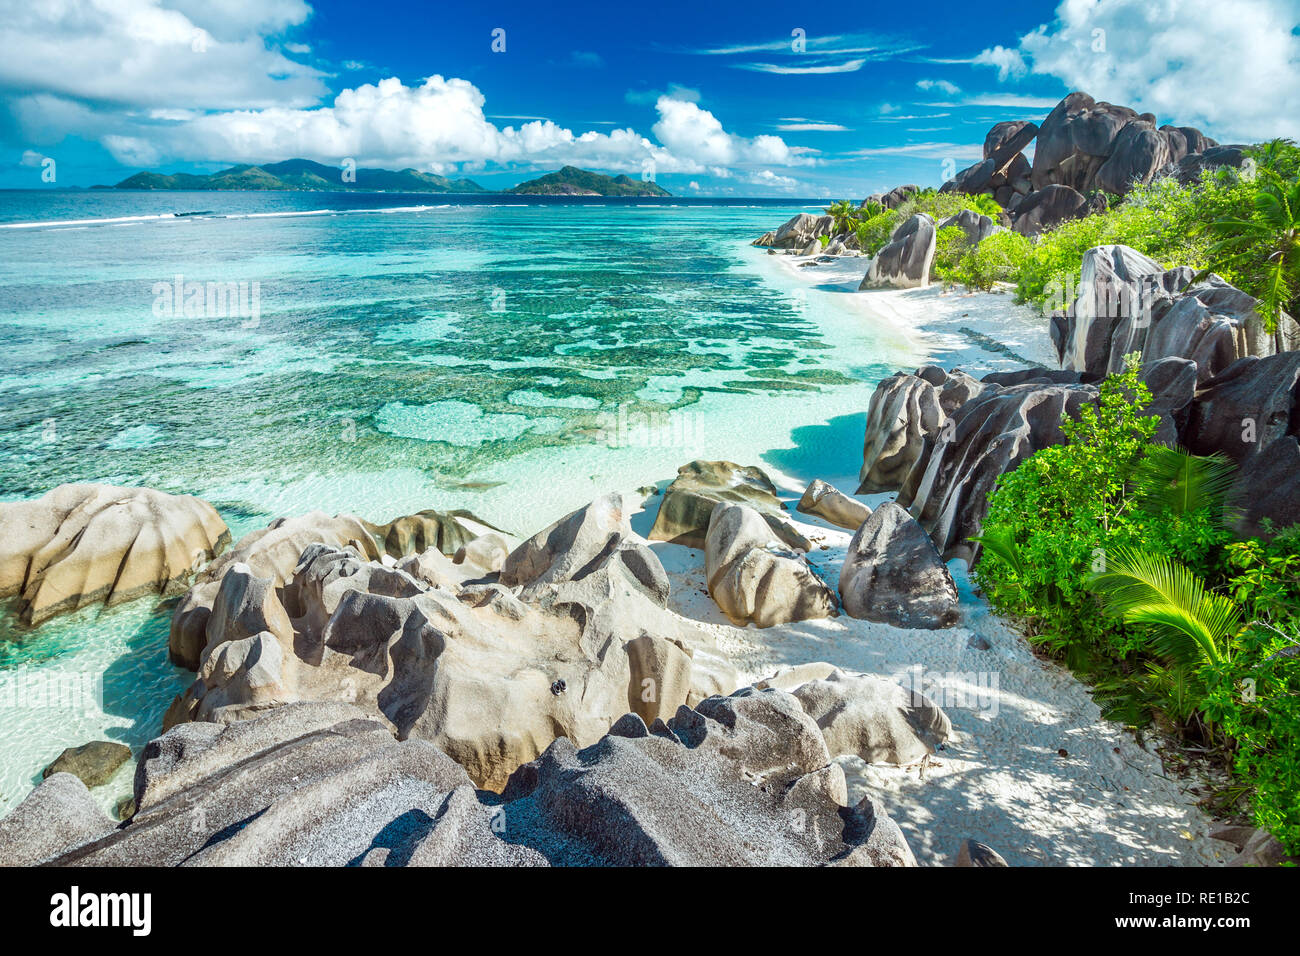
column 572, row 181
column 873, row 224
column 1242, row 224
column 304, row 174
column 1115, row 555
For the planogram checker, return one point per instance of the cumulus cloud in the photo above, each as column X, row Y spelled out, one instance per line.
column 138, row 53
column 160, row 81
column 695, row 135
column 1231, row 68
column 440, row 125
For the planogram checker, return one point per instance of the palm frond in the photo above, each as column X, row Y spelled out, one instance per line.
column 1001, row 544
column 1173, row 478
column 1190, row 624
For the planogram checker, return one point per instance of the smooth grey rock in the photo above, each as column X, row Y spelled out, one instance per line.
column 1048, row 207
column 687, row 506
column 829, row 503
column 1251, row 413
column 904, row 262
column 976, row 227
column 893, row 574
column 60, row 813
column 754, row 578
column 872, row 718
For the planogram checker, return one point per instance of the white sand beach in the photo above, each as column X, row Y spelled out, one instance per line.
column 1032, row 770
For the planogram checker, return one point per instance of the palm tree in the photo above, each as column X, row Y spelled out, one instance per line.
column 845, row 215
column 1265, row 245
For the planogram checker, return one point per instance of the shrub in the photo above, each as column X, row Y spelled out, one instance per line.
column 998, row 258
column 1054, row 520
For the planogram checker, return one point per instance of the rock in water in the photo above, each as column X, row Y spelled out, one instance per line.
column 754, row 578
column 82, row 544
column 905, row 261
column 826, row 501
column 893, row 574
column 93, row 764
column 688, row 503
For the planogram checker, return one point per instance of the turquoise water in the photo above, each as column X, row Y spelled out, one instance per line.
column 513, row 360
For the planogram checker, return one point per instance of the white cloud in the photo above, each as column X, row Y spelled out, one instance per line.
column 695, row 135
column 1008, row 63
column 440, row 125
column 650, row 97
column 138, row 53
column 943, row 86
column 31, row 158
column 801, row 126
column 957, row 151
column 849, row 66
column 771, row 180
column 1231, row 68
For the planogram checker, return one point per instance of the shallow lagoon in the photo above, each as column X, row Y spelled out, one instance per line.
column 512, row 360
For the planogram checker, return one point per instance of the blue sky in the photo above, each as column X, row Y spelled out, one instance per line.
column 714, row 99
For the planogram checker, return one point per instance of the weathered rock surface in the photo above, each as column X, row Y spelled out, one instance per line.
column 59, row 813
column 688, row 503
column 906, row 410
column 1130, row 303
column 974, row 853
column 741, row 780
column 576, row 635
column 894, row 198
column 754, row 578
column 1251, row 412
column 93, row 763
column 904, row 262
column 976, row 227
column 799, row 231
column 84, row 544
column 1087, row 145
column 1190, row 167
column 893, row 574
column 1049, row 207
column 273, row 553
column 829, row 503
column 865, row 716
column 991, row 434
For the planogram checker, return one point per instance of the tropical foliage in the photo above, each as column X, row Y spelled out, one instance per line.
column 1116, row 555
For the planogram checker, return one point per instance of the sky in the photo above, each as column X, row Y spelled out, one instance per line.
column 709, row 99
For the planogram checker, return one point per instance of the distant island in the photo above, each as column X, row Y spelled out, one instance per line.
column 304, row 174
column 572, row 181
column 309, row 176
